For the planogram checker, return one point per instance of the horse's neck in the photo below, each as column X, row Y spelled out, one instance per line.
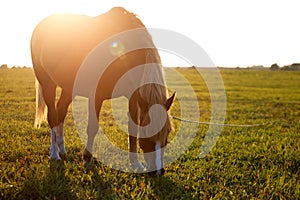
column 153, row 74
column 153, row 79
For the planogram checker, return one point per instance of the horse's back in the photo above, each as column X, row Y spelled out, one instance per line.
column 59, row 30
column 54, row 39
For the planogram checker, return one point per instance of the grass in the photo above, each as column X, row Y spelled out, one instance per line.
column 247, row 163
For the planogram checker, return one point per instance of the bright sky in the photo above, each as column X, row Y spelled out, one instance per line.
column 232, row 32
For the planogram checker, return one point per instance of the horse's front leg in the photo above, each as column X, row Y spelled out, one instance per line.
column 134, row 156
column 92, row 129
column 133, row 132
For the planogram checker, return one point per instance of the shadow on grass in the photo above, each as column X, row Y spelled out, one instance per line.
column 50, row 185
column 68, row 180
column 165, row 188
column 113, row 184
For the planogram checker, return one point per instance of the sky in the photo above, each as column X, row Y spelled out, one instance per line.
column 233, row 33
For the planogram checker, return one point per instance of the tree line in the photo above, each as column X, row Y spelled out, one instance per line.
column 292, row 67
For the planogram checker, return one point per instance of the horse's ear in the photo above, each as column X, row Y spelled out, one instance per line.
column 169, row 101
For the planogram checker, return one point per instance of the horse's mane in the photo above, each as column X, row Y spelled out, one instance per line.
column 156, row 91
column 153, row 73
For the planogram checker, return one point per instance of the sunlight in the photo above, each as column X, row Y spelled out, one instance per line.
column 15, row 41
column 233, row 33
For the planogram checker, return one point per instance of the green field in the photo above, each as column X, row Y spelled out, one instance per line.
column 247, row 163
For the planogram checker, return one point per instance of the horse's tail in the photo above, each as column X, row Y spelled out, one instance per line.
column 41, row 112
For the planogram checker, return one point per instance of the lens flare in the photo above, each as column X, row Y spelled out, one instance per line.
column 117, row 48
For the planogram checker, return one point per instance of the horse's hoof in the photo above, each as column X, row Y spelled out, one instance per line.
column 160, row 172
column 63, row 156
column 138, row 167
column 87, row 163
column 87, row 158
column 54, row 152
column 55, row 157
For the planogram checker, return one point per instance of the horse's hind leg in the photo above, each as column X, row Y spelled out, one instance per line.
column 62, row 108
column 49, row 93
column 92, row 129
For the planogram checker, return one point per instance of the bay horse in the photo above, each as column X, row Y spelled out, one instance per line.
column 59, row 45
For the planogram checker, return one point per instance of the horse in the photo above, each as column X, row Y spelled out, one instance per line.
column 60, row 44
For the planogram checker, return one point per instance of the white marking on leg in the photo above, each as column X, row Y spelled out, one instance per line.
column 150, row 159
column 54, row 150
column 158, row 156
column 133, row 155
column 60, row 138
column 135, row 162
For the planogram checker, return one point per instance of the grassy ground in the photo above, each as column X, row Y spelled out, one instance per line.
column 247, row 163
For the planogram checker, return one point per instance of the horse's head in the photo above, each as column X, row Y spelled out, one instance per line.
column 155, row 127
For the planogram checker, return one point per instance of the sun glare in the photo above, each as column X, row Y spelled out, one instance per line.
column 17, row 25
column 233, row 33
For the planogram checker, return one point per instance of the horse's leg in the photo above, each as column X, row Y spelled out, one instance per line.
column 133, row 154
column 49, row 93
column 133, row 131
column 92, row 129
column 62, row 108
